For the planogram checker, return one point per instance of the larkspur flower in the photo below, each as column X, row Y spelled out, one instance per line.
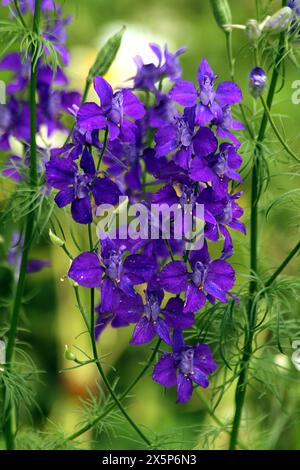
column 116, row 111
column 112, row 271
column 76, row 186
column 148, row 75
column 183, row 367
column 208, row 280
column 157, row 320
column 212, row 105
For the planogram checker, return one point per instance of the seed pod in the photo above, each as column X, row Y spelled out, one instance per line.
column 55, row 239
column 106, row 56
column 253, row 30
column 280, row 21
column 222, row 12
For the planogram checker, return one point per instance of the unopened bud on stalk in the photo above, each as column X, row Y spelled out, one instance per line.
column 73, row 283
column 222, row 13
column 280, row 21
column 55, row 239
column 253, row 30
column 257, row 81
column 2, row 355
column 106, row 56
column 69, row 355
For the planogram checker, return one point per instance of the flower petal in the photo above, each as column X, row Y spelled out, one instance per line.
column 86, row 270
column 165, row 371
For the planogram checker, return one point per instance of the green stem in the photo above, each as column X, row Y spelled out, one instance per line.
column 9, row 431
column 98, row 362
column 283, row 265
column 276, row 131
column 19, row 13
column 241, row 387
column 103, row 149
column 98, row 418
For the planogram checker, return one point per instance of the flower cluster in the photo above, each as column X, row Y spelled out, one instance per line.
column 53, row 99
column 181, row 143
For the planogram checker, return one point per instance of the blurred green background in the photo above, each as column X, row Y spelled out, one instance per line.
column 52, row 316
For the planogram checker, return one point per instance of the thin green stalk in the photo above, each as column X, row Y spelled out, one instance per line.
column 241, row 387
column 283, row 265
column 276, row 131
column 9, row 430
column 98, row 362
column 19, row 13
column 98, row 418
column 103, row 149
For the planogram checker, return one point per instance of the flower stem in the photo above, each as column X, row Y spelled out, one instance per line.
column 241, row 387
column 283, row 265
column 98, row 418
column 98, row 362
column 19, row 13
column 9, row 431
column 276, row 131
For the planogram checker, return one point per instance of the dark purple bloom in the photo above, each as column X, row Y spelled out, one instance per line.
column 148, row 75
column 208, row 280
column 76, row 185
column 212, row 105
column 112, row 271
column 14, row 121
column 126, row 310
column 14, row 257
column 30, row 4
column 257, row 81
column 116, row 112
column 157, row 320
column 185, row 365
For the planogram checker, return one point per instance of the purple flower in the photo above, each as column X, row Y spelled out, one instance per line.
column 212, row 106
column 75, row 186
column 112, row 271
column 126, row 310
column 183, row 367
column 14, row 257
column 148, row 75
column 14, row 121
column 30, row 4
column 208, row 280
column 116, row 112
column 157, row 320
column 257, row 81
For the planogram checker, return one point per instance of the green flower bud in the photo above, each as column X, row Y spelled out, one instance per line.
column 222, row 12
column 73, row 283
column 55, row 239
column 106, row 55
column 279, row 22
column 253, row 30
column 69, row 355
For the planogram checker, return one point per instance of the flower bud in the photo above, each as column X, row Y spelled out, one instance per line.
column 253, row 30
column 257, row 81
column 222, row 12
column 280, row 21
column 69, row 355
column 55, row 239
column 106, row 56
